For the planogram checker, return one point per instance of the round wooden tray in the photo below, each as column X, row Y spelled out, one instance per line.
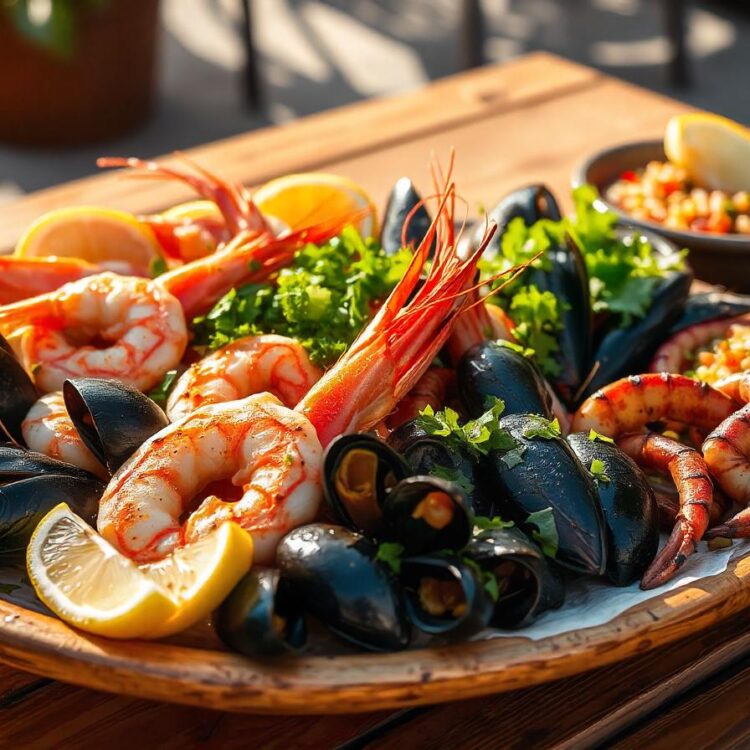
column 361, row 682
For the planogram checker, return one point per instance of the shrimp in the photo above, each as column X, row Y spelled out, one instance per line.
column 21, row 278
column 274, row 453
column 48, row 429
column 253, row 364
column 479, row 323
column 690, row 475
column 430, row 390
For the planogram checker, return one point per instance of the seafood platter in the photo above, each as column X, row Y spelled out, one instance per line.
column 278, row 450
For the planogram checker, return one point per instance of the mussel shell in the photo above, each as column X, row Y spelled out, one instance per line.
column 706, row 306
column 403, row 522
column 337, row 578
column 534, row 585
column 112, row 418
column 363, row 513
column 549, row 476
column 401, row 201
column 17, row 394
column 262, row 617
column 19, row 463
column 491, row 369
column 24, row 503
column 446, row 568
column 630, row 510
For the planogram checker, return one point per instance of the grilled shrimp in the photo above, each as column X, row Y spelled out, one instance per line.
column 274, row 453
column 430, row 390
column 48, row 429
column 253, row 364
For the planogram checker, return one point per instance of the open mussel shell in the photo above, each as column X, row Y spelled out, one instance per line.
column 19, row 463
column 262, row 617
column 445, row 595
column 358, row 472
column 24, row 503
column 427, row 514
column 629, row 506
column 17, row 394
column 112, row 418
column 705, row 306
column 335, row 574
column 495, row 370
column 527, row 584
column 401, row 202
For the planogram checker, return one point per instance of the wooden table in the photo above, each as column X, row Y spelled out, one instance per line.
column 529, row 120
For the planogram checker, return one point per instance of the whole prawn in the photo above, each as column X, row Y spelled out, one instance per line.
column 275, row 460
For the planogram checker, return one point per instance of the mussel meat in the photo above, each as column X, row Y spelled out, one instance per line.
column 358, row 472
column 526, row 583
column 17, row 394
column 262, row 617
column 427, row 514
column 493, row 369
column 548, row 476
column 445, row 595
column 629, row 507
column 401, row 202
column 112, row 418
column 25, row 502
column 338, row 578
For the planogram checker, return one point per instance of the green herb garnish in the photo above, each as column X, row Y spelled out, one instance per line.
column 453, row 475
column 598, row 471
column 161, row 392
column 487, row 577
column 158, row 267
column 541, row 427
column 546, row 531
column 390, row 553
column 483, row 523
column 594, row 436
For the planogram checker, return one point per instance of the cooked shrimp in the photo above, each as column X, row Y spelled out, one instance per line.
column 690, row 475
column 272, row 452
column 49, row 429
column 430, row 390
column 479, row 323
column 103, row 326
column 253, row 364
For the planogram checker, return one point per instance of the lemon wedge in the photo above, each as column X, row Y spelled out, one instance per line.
column 308, row 198
column 713, row 150
column 89, row 584
column 192, row 210
column 90, row 233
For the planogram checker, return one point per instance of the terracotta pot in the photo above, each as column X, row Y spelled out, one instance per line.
column 105, row 90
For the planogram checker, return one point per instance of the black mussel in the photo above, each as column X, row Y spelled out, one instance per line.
column 112, row 418
column 24, row 503
column 706, row 306
column 358, row 472
column 262, row 617
column 18, row 463
column 427, row 514
column 401, row 202
column 629, row 507
column 17, row 394
column 337, row 577
column 445, row 595
column 525, row 583
column 548, row 475
column 493, row 369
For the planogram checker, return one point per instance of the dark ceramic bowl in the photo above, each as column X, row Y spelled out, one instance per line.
column 716, row 258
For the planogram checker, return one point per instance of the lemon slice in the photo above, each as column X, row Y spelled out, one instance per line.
column 714, row 151
column 300, row 200
column 192, row 210
column 200, row 576
column 98, row 235
column 88, row 583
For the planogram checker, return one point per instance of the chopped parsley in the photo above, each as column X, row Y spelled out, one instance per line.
column 489, row 580
column 323, row 299
column 594, row 436
column 541, row 427
column 161, row 392
column 546, row 531
column 598, row 471
column 453, row 475
column 537, row 318
column 158, row 266
column 483, row 523
column 391, row 554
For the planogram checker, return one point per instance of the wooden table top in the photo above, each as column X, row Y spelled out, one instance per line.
column 527, row 121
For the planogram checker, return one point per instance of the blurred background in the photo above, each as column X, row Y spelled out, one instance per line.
column 82, row 78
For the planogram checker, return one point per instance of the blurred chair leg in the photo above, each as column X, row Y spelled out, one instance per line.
column 251, row 82
column 472, row 34
column 675, row 14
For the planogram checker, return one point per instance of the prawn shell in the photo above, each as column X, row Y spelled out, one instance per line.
column 19, row 463
column 549, row 476
column 629, row 506
column 112, row 418
column 403, row 523
column 706, row 306
column 246, row 620
column 401, row 201
column 335, row 575
column 534, row 585
column 491, row 370
column 25, row 502
column 445, row 567
column 361, row 513
column 17, row 394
